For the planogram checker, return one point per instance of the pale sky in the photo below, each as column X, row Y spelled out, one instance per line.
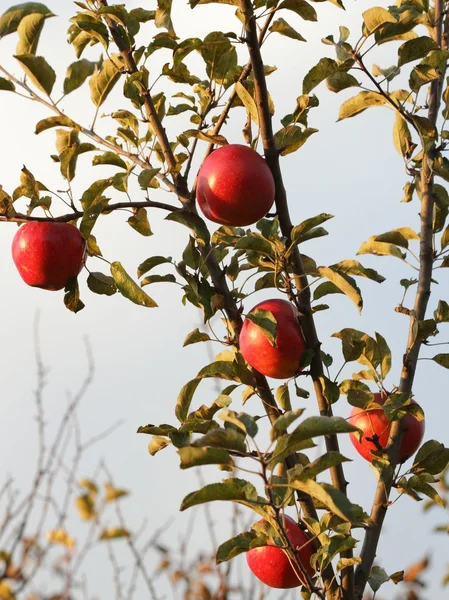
column 349, row 169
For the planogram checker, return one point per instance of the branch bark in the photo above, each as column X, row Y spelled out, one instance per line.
column 426, row 257
column 303, row 299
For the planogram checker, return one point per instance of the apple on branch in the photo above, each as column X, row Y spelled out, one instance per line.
column 235, row 186
column 376, row 430
column 47, row 254
column 271, row 564
column 282, row 359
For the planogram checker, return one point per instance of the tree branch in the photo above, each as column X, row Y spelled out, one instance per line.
column 303, row 299
column 78, row 214
column 426, row 257
column 127, row 54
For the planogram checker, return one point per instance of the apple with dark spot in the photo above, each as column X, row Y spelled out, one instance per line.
column 47, row 253
column 375, row 423
column 271, row 564
column 235, row 186
column 282, row 360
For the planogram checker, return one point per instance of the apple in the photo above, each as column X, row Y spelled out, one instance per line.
column 282, row 360
column 376, row 422
column 235, row 186
column 47, row 254
column 271, row 565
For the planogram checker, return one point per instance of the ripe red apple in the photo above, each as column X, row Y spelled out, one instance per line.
column 47, row 254
column 271, row 565
column 375, row 422
column 235, row 186
column 280, row 361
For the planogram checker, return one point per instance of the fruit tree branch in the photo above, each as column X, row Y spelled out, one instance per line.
column 303, row 290
column 78, row 214
column 426, row 256
column 145, row 164
column 126, row 52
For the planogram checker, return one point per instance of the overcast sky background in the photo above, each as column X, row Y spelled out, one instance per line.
column 349, row 169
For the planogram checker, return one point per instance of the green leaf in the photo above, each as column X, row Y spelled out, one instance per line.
column 331, row 391
column 431, row 493
column 163, row 429
column 194, row 223
column 103, row 80
column 248, row 101
column 139, row 222
column 281, row 424
column 72, row 295
column 344, row 563
column 6, row 85
column 90, row 196
column 431, row 458
column 91, row 215
column 301, row 8
column 341, row 80
column 358, row 104
column 234, row 489
column 101, row 284
column 59, row 121
column 169, row 278
column 334, row 500
column 195, row 336
column 10, row 20
column 146, row 178
column 377, row 577
column 109, row 158
column 299, row 232
column 29, row 31
column 157, row 443
column 39, row 71
column 441, row 314
column 266, row 322
column 129, row 288
column 194, row 457
column 291, row 138
column 281, row 26
column 415, row 49
column 427, row 131
column 283, row 397
column 162, row 17
column 227, row 438
column 152, row 262
column 185, row 399
column 321, row 71
column 321, row 464
column 372, row 246
column 353, row 267
column 220, row 57
column 344, row 283
column 318, row 426
column 77, row 73
column 241, row 421
column 385, row 355
column 442, row 360
column 402, row 137
column 256, row 243
column 239, row 544
column 374, row 18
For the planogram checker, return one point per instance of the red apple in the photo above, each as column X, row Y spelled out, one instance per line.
column 47, row 254
column 235, row 186
column 271, row 565
column 282, row 360
column 375, row 421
